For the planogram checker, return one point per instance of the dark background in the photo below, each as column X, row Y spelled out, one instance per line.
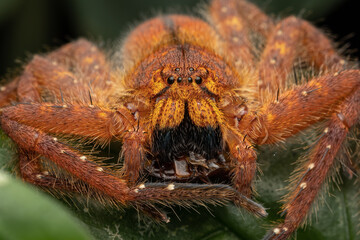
column 33, row 26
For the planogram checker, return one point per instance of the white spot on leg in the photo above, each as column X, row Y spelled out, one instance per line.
column 235, row 39
column 142, row 186
column 224, row 9
column 342, row 62
column 273, row 61
column 170, row 187
column 276, row 230
column 279, row 33
column 62, row 151
column 2, row 88
column 83, row 158
column 304, row 93
column 45, row 173
column 326, row 130
column 303, row 185
column 39, row 176
column 311, row 166
column 328, row 146
column 55, row 139
column 99, row 169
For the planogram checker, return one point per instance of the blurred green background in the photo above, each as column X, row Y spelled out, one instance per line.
column 32, row 26
column 29, row 26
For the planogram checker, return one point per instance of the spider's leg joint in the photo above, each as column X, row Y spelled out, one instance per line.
column 83, row 158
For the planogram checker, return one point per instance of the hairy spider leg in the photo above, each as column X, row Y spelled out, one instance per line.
column 300, row 107
column 314, row 173
column 290, row 38
column 87, row 59
column 245, row 157
column 233, row 30
column 72, row 115
column 255, row 18
column 69, row 72
column 105, row 181
column 32, row 171
column 8, row 92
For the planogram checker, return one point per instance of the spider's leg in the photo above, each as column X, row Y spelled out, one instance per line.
column 8, row 92
column 91, row 122
column 291, row 38
column 233, row 29
column 299, row 108
column 86, row 60
column 315, row 171
column 32, row 171
column 41, row 73
column 107, row 182
column 244, row 161
column 255, row 17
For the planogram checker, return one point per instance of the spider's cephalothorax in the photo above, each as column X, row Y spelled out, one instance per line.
column 189, row 101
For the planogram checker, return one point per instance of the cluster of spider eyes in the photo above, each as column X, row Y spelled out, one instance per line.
column 171, row 79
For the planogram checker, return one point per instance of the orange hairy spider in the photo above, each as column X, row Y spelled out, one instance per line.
column 188, row 99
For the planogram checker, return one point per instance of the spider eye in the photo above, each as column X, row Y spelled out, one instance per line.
column 177, row 69
column 171, row 80
column 191, row 69
column 179, row 79
column 198, row 80
column 190, row 80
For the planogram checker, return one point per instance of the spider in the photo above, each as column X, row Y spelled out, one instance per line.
column 189, row 99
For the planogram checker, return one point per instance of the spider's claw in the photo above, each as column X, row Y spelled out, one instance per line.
column 155, row 213
column 251, row 206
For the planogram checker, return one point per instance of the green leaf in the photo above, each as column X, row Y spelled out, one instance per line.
column 28, row 214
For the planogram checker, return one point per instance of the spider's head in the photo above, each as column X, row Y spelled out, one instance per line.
column 188, row 79
column 187, row 86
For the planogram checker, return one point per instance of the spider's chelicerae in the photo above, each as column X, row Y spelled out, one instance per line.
column 189, row 99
